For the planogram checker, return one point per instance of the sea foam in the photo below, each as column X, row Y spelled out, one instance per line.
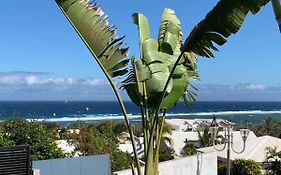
column 100, row 117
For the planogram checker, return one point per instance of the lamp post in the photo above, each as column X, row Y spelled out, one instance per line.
column 228, row 141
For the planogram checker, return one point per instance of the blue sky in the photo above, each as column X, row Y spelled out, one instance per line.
column 42, row 58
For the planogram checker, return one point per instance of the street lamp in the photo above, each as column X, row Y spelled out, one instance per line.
column 228, row 141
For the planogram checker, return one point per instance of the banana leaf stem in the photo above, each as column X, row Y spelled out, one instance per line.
column 129, row 127
column 146, row 114
column 160, row 132
column 150, row 164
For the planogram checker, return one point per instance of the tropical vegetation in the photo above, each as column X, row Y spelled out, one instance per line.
column 166, row 154
column 188, row 149
column 222, row 167
column 205, row 138
column 160, row 76
column 22, row 132
column 245, row 167
column 268, row 126
column 274, row 160
column 101, row 138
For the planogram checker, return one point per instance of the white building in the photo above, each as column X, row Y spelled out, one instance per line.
column 255, row 149
column 181, row 138
column 186, row 125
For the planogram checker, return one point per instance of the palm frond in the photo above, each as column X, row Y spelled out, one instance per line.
column 91, row 24
column 223, row 20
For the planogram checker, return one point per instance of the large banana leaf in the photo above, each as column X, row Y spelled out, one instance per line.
column 91, row 24
column 277, row 11
column 223, row 20
column 156, row 61
column 170, row 41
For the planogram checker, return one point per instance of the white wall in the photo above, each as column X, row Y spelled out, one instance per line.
column 200, row 164
column 84, row 165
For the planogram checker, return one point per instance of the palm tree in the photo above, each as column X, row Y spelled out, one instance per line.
column 204, row 138
column 161, row 75
column 272, row 156
column 268, row 126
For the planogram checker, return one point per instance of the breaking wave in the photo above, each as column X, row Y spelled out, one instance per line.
column 101, row 117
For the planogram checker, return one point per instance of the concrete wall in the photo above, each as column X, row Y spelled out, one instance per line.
column 89, row 165
column 200, row 164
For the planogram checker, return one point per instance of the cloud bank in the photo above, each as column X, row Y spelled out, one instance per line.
column 44, row 86
column 238, row 92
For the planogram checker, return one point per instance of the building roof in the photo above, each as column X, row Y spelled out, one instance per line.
column 180, row 137
column 184, row 124
column 255, row 149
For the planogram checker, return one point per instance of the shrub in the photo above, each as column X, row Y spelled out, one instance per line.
column 221, row 168
column 21, row 132
column 4, row 142
column 189, row 149
column 101, row 139
column 246, row 167
column 166, row 154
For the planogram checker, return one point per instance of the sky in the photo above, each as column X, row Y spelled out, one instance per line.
column 42, row 58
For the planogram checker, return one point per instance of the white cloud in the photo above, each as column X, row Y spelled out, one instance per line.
column 92, row 82
column 43, row 86
column 238, row 92
column 31, row 80
column 9, row 80
column 255, row 87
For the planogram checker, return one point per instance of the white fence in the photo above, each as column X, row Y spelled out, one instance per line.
column 200, row 164
column 89, row 165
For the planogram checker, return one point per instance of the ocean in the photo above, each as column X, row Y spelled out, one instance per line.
column 92, row 111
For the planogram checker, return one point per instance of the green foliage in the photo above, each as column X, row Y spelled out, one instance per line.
column 101, row 139
column 119, row 128
column 52, row 128
column 224, row 19
column 222, row 168
column 92, row 26
column 161, row 75
column 21, row 132
column 189, row 149
column 246, row 167
column 4, row 142
column 267, row 127
column 107, row 130
column 277, row 11
column 274, row 168
column 156, row 62
column 120, row 160
column 273, row 158
column 205, row 138
column 166, row 154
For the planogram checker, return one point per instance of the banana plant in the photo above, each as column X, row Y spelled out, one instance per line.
column 149, row 74
column 159, row 78
column 277, row 11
